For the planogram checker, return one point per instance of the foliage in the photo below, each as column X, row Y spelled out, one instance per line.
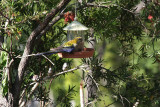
column 65, row 97
column 132, row 44
column 127, row 73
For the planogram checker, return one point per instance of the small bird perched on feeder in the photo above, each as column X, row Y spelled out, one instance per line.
column 74, row 45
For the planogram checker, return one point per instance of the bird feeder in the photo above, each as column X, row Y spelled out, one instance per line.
column 76, row 29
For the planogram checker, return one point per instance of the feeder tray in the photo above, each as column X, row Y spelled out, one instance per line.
column 87, row 52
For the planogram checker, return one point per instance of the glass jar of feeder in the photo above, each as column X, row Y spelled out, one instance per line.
column 77, row 30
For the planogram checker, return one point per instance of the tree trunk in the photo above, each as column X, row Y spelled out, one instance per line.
column 29, row 48
column 3, row 101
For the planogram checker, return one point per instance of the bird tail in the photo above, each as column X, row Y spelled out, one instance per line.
column 57, row 50
column 62, row 49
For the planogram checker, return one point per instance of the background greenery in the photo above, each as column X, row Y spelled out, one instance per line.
column 125, row 64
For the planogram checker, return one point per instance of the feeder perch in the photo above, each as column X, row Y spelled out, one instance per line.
column 76, row 29
column 87, row 52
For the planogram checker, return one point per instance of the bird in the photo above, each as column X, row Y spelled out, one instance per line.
column 74, row 45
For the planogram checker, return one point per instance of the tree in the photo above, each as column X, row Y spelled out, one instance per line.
column 131, row 36
column 15, row 89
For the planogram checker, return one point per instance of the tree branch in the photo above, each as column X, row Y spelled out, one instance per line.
column 97, row 5
column 60, row 73
column 4, row 16
column 2, row 49
column 30, row 46
column 30, row 94
column 56, row 19
column 48, row 60
column 47, row 78
column 96, row 84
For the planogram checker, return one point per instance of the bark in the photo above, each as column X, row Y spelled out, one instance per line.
column 3, row 101
column 10, row 88
column 1, row 41
column 91, row 86
column 29, row 48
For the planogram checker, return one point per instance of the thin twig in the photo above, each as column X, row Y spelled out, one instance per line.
column 23, row 93
column 60, row 73
column 127, row 100
column 4, row 16
column 38, row 54
column 48, row 60
column 26, row 56
column 2, row 49
column 142, row 23
column 31, row 92
column 90, row 102
column 10, row 53
column 11, row 44
column 94, row 81
column 126, row 9
column 97, row 5
column 50, row 84
column 122, row 100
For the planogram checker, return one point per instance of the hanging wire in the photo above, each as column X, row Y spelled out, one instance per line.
column 75, row 10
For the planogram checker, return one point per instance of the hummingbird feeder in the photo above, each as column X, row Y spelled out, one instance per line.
column 76, row 29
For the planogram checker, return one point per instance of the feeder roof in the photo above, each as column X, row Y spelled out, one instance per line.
column 75, row 25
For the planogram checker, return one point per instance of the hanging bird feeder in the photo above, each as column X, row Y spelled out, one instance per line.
column 76, row 29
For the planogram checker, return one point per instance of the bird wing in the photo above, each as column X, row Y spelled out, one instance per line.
column 58, row 50
column 55, row 50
